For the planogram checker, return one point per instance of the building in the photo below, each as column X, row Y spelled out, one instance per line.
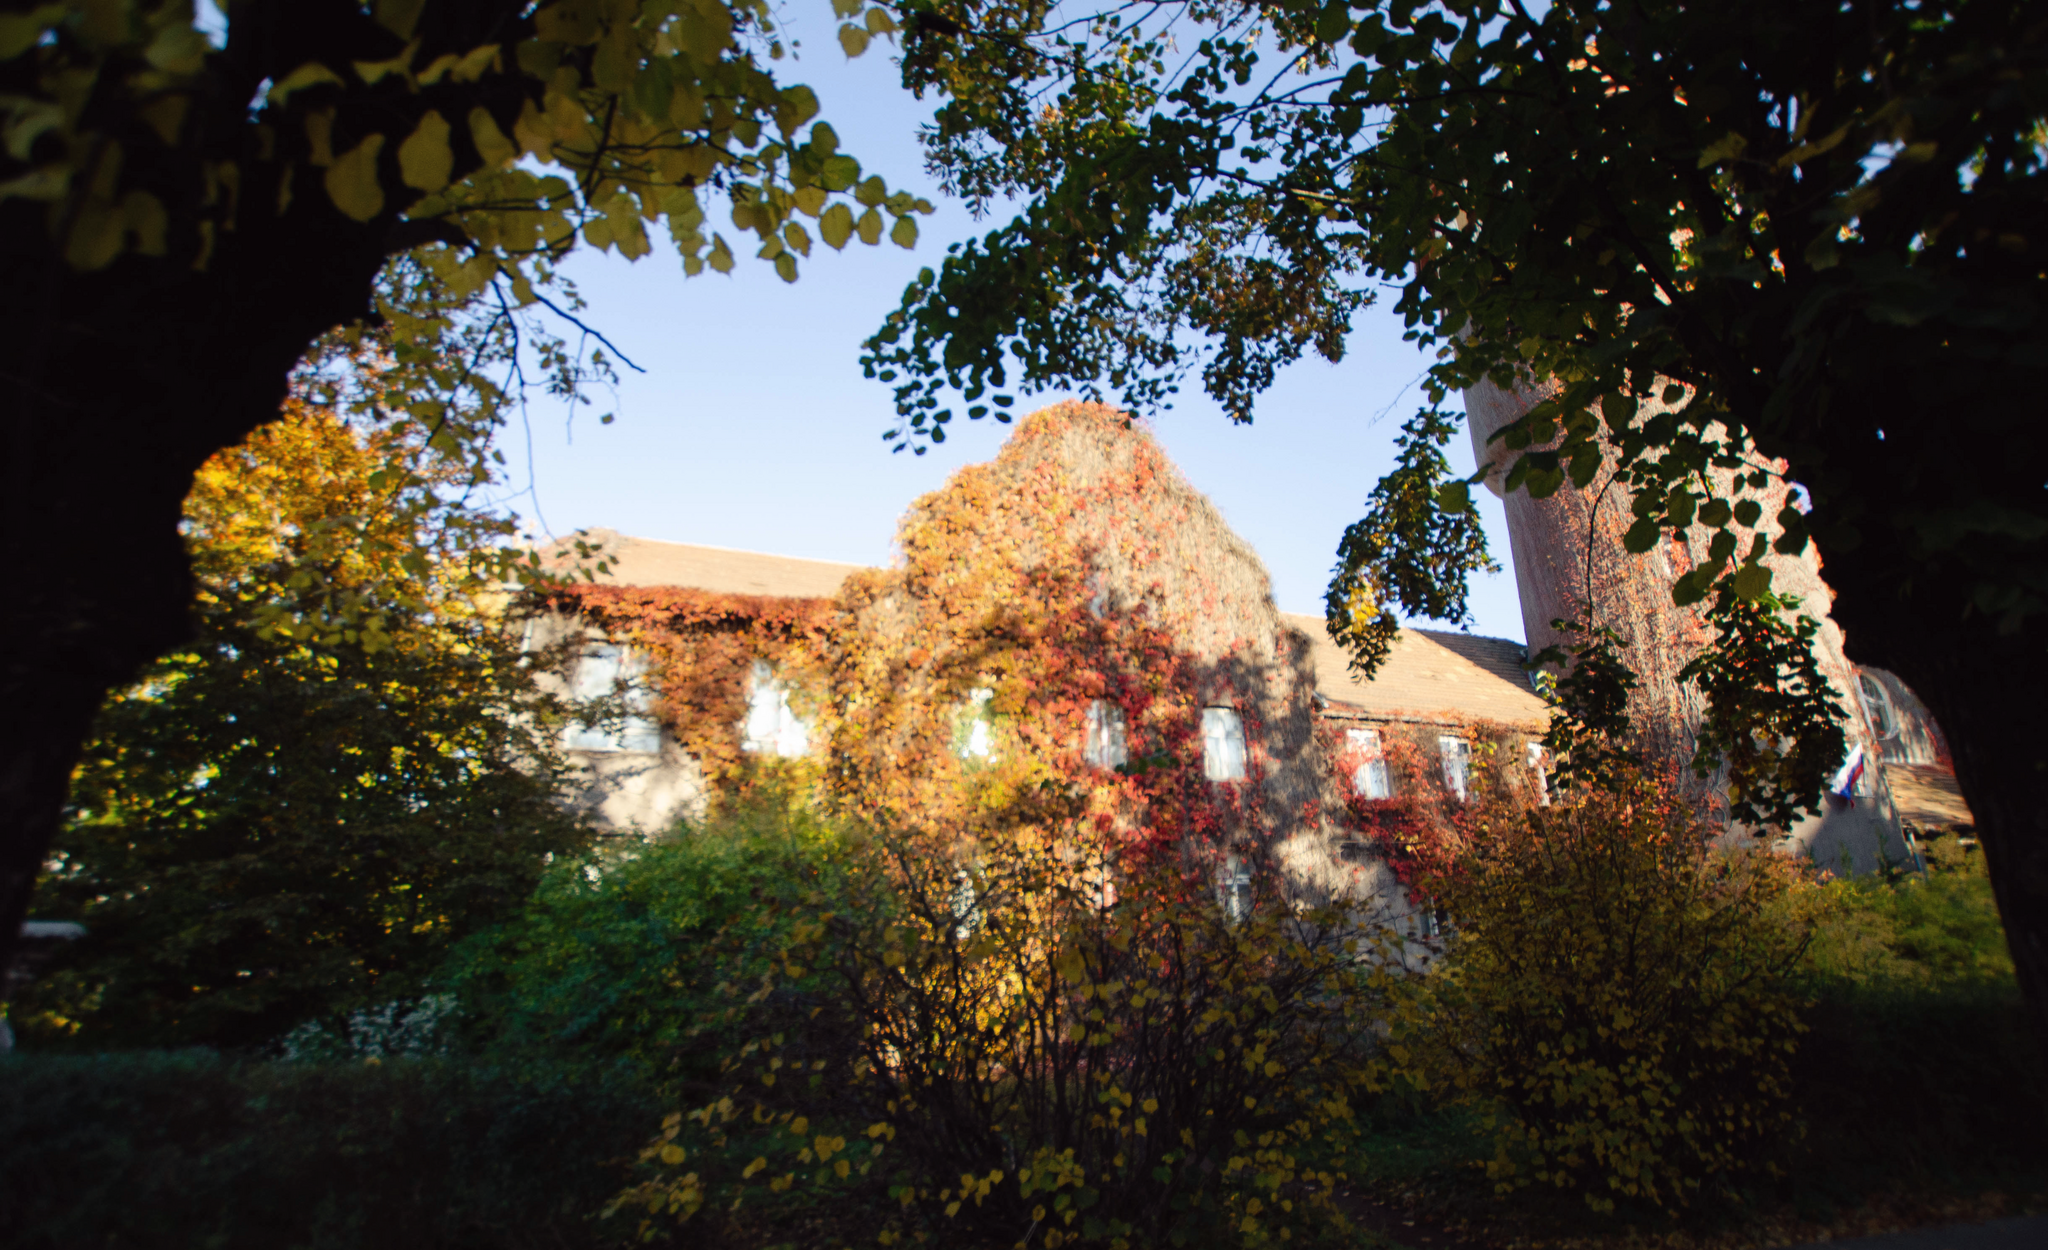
column 1569, row 558
column 1071, row 610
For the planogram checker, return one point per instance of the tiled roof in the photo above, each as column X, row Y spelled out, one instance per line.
column 650, row 562
column 1927, row 795
column 1429, row 673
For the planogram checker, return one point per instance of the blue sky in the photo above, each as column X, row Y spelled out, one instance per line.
column 753, row 428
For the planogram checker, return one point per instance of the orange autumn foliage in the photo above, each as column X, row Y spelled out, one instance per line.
column 1078, row 568
column 701, row 647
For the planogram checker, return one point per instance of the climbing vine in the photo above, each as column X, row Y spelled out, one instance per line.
column 1074, row 585
column 701, row 647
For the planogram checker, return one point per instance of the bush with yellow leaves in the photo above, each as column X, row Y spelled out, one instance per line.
column 1617, row 997
column 1015, row 1045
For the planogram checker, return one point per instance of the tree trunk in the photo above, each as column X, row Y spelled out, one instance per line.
column 117, row 386
column 1984, row 689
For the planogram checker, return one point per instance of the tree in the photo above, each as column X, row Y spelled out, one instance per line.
column 348, row 770
column 1749, row 242
column 181, row 220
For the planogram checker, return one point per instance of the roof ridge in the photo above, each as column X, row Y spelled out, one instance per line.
column 746, row 551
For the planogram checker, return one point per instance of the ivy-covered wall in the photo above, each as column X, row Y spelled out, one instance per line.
column 1075, row 585
column 1079, row 568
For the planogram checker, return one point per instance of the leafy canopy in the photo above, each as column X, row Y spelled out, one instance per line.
column 1749, row 242
column 493, row 135
column 297, row 813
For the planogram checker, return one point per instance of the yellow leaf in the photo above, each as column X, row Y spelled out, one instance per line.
column 352, row 181
column 535, row 132
column 491, row 144
column 95, row 238
column 145, row 217
column 569, row 21
column 310, row 74
column 178, row 49
column 671, row 1153
column 165, row 115
column 425, row 160
column 20, row 31
column 398, row 16
column 320, row 137
column 477, row 63
column 853, row 39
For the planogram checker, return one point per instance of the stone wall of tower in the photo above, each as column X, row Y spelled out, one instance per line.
column 1568, row 555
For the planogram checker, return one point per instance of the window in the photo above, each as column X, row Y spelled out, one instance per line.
column 1877, row 705
column 1457, row 755
column 600, row 672
column 973, row 735
column 771, row 727
column 968, row 917
column 1105, row 746
column 1222, row 744
column 1236, row 889
column 1369, row 777
column 1538, row 761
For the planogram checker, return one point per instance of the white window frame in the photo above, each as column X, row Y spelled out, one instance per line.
column 771, row 726
column 1225, row 753
column 1370, row 777
column 1234, row 889
column 1537, row 760
column 1457, row 758
column 974, row 727
column 1105, row 744
column 600, row 670
column 1878, row 707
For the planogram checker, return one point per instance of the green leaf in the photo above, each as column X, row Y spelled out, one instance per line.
column 1641, row 536
column 838, row 173
column 904, row 233
column 1454, row 496
column 1334, row 22
column 1585, row 466
column 425, row 161
column 871, row 192
column 836, row 226
column 1690, row 589
column 1618, row 410
column 1715, row 512
column 870, row 227
column 352, row 180
column 1748, row 513
column 853, row 39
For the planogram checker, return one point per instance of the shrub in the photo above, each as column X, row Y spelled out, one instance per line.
column 1905, row 928
column 1617, row 995
column 1920, row 1060
column 175, row 1150
column 1014, row 1046
column 615, row 961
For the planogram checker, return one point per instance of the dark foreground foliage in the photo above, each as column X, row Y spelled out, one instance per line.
column 188, row 1149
